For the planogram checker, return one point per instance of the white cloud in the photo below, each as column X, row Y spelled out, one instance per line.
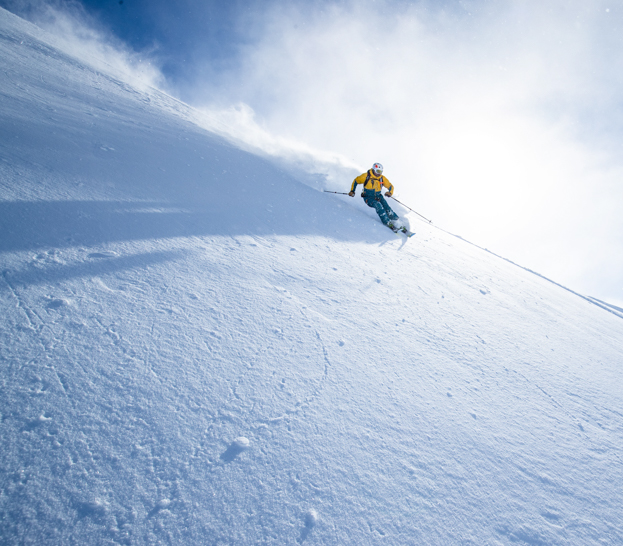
column 495, row 119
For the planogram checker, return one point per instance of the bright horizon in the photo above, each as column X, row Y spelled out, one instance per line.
column 501, row 123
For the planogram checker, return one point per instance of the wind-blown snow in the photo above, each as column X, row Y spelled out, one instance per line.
column 197, row 348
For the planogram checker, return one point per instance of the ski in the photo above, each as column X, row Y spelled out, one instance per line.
column 405, row 232
column 400, row 229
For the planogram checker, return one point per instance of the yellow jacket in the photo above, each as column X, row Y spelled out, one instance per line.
column 371, row 181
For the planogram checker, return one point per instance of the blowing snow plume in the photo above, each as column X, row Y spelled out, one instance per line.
column 197, row 348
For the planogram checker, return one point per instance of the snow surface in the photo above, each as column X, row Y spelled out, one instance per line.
column 197, row 348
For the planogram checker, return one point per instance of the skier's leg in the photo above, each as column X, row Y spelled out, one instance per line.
column 368, row 199
column 371, row 199
column 380, row 210
column 390, row 213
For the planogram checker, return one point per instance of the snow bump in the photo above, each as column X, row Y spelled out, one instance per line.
column 239, row 445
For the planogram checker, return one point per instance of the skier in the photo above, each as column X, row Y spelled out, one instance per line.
column 372, row 181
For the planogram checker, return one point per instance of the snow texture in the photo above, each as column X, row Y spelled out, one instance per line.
column 197, row 348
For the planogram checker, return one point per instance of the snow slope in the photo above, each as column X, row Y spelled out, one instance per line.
column 197, row 348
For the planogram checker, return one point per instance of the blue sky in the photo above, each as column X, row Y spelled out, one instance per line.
column 501, row 121
column 184, row 36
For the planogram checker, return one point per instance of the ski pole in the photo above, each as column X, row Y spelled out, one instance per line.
column 340, row 192
column 429, row 221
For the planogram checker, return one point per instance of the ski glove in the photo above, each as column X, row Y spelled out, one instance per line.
column 352, row 193
column 388, row 194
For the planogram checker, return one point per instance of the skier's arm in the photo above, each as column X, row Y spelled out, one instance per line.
column 389, row 187
column 359, row 180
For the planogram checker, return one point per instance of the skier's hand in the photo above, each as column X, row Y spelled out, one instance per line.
column 352, row 193
column 388, row 194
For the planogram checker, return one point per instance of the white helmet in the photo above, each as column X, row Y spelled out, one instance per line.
column 377, row 168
